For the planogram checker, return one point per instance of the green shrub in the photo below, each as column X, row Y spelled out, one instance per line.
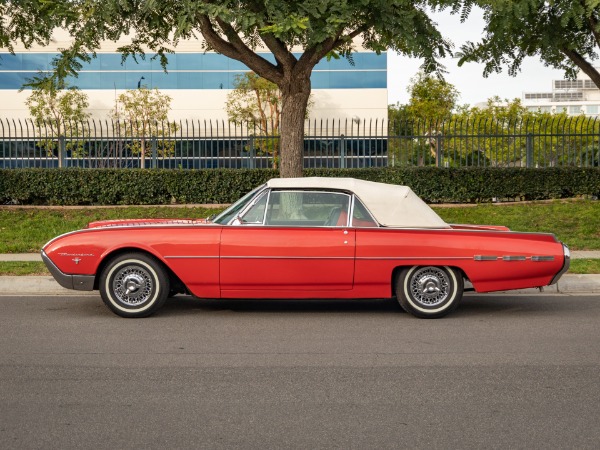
column 156, row 186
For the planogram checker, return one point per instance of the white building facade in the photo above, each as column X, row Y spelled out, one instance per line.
column 575, row 97
column 197, row 81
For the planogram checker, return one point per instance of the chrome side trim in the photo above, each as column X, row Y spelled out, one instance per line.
column 514, row 258
column 485, row 258
column 191, row 257
column 542, row 258
column 565, row 266
column 77, row 282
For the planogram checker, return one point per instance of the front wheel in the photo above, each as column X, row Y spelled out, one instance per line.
column 134, row 285
column 429, row 292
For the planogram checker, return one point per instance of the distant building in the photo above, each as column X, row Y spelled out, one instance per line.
column 197, row 81
column 575, row 97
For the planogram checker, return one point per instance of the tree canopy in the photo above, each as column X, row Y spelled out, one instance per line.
column 298, row 33
column 564, row 34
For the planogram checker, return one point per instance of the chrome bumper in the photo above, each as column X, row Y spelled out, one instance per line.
column 77, row 282
column 565, row 266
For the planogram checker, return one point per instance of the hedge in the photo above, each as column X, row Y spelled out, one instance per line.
column 155, row 186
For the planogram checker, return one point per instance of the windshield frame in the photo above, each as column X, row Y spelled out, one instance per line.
column 231, row 213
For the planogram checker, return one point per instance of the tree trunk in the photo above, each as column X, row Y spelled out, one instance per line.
column 294, row 94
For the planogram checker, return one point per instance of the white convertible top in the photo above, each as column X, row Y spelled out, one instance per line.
column 391, row 205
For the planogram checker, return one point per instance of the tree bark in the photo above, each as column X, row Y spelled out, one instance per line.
column 584, row 65
column 295, row 93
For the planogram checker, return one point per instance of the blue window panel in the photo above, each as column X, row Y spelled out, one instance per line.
column 213, row 61
column 37, row 61
column 238, row 65
column 94, row 64
column 14, row 80
column 353, row 80
column 362, row 61
column 216, row 80
column 160, row 80
column 110, row 61
column 189, row 80
column 100, row 80
column 269, row 57
column 141, row 64
column 366, row 61
column 188, row 61
column 11, row 62
column 320, row 80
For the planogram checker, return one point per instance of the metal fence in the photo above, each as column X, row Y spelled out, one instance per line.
column 545, row 142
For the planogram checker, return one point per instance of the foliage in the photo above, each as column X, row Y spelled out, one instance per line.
column 320, row 28
column 256, row 103
column 502, row 133
column 59, row 112
column 142, row 113
column 156, row 186
column 432, row 99
column 565, row 35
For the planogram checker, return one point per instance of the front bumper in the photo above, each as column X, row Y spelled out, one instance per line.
column 77, row 282
column 565, row 267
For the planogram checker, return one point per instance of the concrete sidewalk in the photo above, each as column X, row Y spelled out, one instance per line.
column 23, row 257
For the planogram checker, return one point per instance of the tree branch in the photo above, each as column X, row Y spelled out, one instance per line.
column 584, row 65
column 236, row 51
column 279, row 49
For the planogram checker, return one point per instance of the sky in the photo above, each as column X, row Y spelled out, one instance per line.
column 468, row 79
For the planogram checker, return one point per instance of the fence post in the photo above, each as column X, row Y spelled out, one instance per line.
column 438, row 149
column 529, row 150
column 342, row 152
column 62, row 150
column 251, row 152
column 154, row 151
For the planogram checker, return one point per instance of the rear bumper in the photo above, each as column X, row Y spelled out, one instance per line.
column 77, row 282
column 565, row 267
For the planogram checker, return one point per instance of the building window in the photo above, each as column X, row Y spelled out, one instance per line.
column 574, row 110
column 591, row 109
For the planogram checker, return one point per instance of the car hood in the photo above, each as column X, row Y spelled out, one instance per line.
column 145, row 222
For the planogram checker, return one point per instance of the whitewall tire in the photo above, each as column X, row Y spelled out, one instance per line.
column 429, row 291
column 134, row 285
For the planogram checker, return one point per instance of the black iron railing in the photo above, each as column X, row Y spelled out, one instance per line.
column 545, row 142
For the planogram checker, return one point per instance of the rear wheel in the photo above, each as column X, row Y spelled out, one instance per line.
column 429, row 291
column 134, row 285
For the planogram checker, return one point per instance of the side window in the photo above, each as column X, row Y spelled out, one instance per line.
column 307, row 209
column 256, row 213
column 361, row 216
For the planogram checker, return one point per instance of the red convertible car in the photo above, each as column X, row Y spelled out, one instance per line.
column 301, row 238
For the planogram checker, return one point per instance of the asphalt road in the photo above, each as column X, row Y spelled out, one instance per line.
column 502, row 371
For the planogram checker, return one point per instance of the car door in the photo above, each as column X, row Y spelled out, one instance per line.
column 290, row 241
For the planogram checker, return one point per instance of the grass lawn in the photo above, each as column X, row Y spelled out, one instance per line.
column 575, row 222
column 38, row 268
column 25, row 230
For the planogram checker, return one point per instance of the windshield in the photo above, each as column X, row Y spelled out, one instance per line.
column 225, row 217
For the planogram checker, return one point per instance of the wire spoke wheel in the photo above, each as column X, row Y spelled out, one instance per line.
column 429, row 291
column 134, row 285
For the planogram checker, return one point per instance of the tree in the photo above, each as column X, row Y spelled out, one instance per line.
column 59, row 113
column 432, row 101
column 254, row 101
column 320, row 28
column 565, row 35
column 143, row 113
column 30, row 22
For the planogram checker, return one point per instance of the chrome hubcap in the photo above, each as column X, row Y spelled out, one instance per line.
column 132, row 285
column 430, row 286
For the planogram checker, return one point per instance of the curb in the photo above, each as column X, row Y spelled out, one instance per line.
column 46, row 285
